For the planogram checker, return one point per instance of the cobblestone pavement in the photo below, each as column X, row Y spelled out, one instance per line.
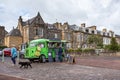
column 59, row 71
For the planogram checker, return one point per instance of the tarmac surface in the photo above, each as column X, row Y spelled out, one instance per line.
column 86, row 68
column 111, row 62
column 7, row 77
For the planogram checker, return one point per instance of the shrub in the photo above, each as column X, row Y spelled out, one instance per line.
column 2, row 47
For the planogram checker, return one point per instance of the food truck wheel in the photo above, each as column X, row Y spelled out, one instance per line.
column 42, row 59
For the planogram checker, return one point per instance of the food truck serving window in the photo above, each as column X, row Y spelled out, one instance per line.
column 32, row 44
column 41, row 45
column 54, row 44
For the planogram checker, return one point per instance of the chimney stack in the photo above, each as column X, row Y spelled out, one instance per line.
column 83, row 25
column 104, row 30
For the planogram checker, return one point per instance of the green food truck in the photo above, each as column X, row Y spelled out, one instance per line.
column 41, row 49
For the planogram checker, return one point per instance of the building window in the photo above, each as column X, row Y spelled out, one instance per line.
column 2, row 33
column 78, row 37
column 87, row 30
column 68, row 36
column 104, row 33
column 27, row 32
column 65, row 36
column 108, row 34
column 56, row 36
column 68, row 45
column 93, row 32
column 39, row 31
column 36, row 31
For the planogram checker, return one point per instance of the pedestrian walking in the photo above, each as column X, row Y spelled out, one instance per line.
column 13, row 55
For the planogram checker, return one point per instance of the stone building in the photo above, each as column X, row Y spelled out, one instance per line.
column 3, row 32
column 107, row 35
column 66, row 33
column 117, row 39
column 36, row 28
column 14, row 37
column 33, row 28
column 77, row 35
column 53, row 32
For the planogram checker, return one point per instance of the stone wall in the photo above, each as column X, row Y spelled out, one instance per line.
column 2, row 35
column 13, row 40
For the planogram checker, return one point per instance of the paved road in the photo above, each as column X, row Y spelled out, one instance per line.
column 111, row 62
column 7, row 77
column 60, row 71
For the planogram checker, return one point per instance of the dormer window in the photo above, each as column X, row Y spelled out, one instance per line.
column 107, row 34
column 87, row 30
column 104, row 33
column 93, row 32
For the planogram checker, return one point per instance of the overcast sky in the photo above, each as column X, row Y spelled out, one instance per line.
column 102, row 13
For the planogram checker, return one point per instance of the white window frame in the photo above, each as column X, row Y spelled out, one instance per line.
column 56, row 35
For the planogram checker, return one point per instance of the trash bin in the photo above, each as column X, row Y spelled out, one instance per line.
column 50, row 59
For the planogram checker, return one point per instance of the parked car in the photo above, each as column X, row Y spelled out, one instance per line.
column 21, row 53
column 7, row 51
column 0, row 52
column 22, row 50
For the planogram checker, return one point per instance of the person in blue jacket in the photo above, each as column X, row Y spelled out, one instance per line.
column 60, row 51
column 13, row 55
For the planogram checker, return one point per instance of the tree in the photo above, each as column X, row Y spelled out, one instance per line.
column 95, row 40
column 113, row 45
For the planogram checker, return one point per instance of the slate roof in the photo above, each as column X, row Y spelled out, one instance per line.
column 99, row 32
column 74, row 27
column 14, row 32
column 30, row 21
column 52, row 26
column 118, row 36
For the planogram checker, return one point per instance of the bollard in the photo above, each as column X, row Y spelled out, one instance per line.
column 18, row 55
column 3, row 57
column 57, row 58
column 56, row 55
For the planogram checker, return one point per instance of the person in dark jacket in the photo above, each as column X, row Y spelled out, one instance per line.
column 60, row 51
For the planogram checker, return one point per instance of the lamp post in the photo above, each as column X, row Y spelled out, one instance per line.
column 18, row 55
column 3, row 57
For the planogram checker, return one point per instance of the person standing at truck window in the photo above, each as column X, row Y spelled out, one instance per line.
column 60, row 51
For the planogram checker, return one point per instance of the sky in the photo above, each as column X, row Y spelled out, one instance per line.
column 101, row 13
